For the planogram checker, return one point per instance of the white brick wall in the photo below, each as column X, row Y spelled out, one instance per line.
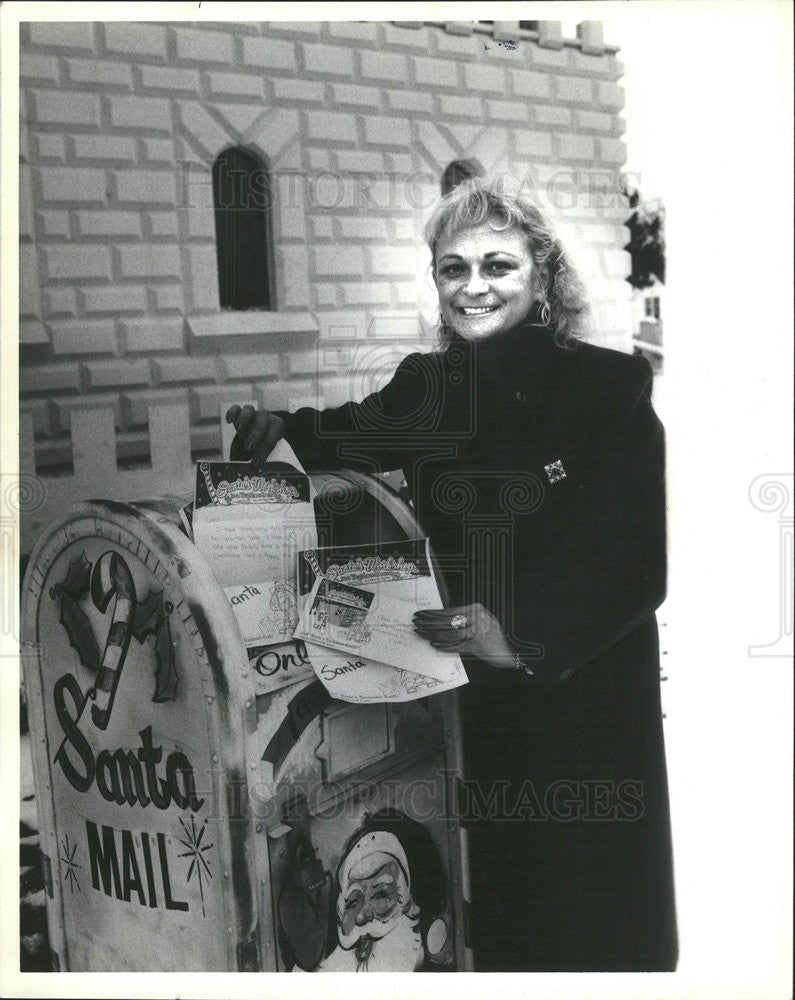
column 328, row 60
column 72, row 185
column 530, row 83
column 269, row 53
column 140, row 40
column 384, row 66
column 357, row 122
column 437, row 73
column 114, row 299
column 83, row 337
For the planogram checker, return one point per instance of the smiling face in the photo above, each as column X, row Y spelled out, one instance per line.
column 483, row 277
column 372, row 900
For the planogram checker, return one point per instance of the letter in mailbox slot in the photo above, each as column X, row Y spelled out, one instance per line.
column 301, row 710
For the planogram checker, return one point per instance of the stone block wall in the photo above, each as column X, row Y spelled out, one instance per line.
column 120, row 125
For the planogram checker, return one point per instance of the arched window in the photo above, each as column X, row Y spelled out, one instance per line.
column 242, row 196
column 458, row 171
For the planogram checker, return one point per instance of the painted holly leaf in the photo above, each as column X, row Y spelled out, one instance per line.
column 78, row 576
column 151, row 618
column 73, row 618
column 166, row 674
column 149, row 615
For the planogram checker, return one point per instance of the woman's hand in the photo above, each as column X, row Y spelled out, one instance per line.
column 257, row 433
column 471, row 629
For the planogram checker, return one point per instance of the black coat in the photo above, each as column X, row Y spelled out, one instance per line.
column 538, row 473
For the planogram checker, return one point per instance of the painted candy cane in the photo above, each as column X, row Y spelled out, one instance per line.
column 110, row 576
column 311, row 558
column 208, row 479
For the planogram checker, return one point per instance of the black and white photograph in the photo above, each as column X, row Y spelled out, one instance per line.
column 397, row 498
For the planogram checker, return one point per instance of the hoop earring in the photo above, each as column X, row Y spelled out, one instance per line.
column 446, row 333
column 546, row 313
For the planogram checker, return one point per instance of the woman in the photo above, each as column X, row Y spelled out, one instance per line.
column 536, row 465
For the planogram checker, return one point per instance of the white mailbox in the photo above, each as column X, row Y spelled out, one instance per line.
column 203, row 808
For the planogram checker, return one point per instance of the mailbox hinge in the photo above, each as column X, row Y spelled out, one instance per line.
column 248, row 954
column 466, row 909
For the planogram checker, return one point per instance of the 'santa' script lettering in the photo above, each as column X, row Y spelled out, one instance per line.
column 121, row 775
column 329, row 673
column 244, row 595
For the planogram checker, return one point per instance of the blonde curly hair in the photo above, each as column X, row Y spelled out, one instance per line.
column 563, row 306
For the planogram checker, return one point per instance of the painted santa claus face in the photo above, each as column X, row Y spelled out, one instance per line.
column 372, row 901
column 483, row 278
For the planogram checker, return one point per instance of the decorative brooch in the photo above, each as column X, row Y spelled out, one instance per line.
column 555, row 471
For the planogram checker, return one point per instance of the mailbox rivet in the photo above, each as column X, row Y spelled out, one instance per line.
column 259, row 827
column 209, row 700
column 215, row 758
column 281, row 853
column 267, row 944
column 248, row 703
column 226, row 874
column 244, row 674
column 254, row 766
